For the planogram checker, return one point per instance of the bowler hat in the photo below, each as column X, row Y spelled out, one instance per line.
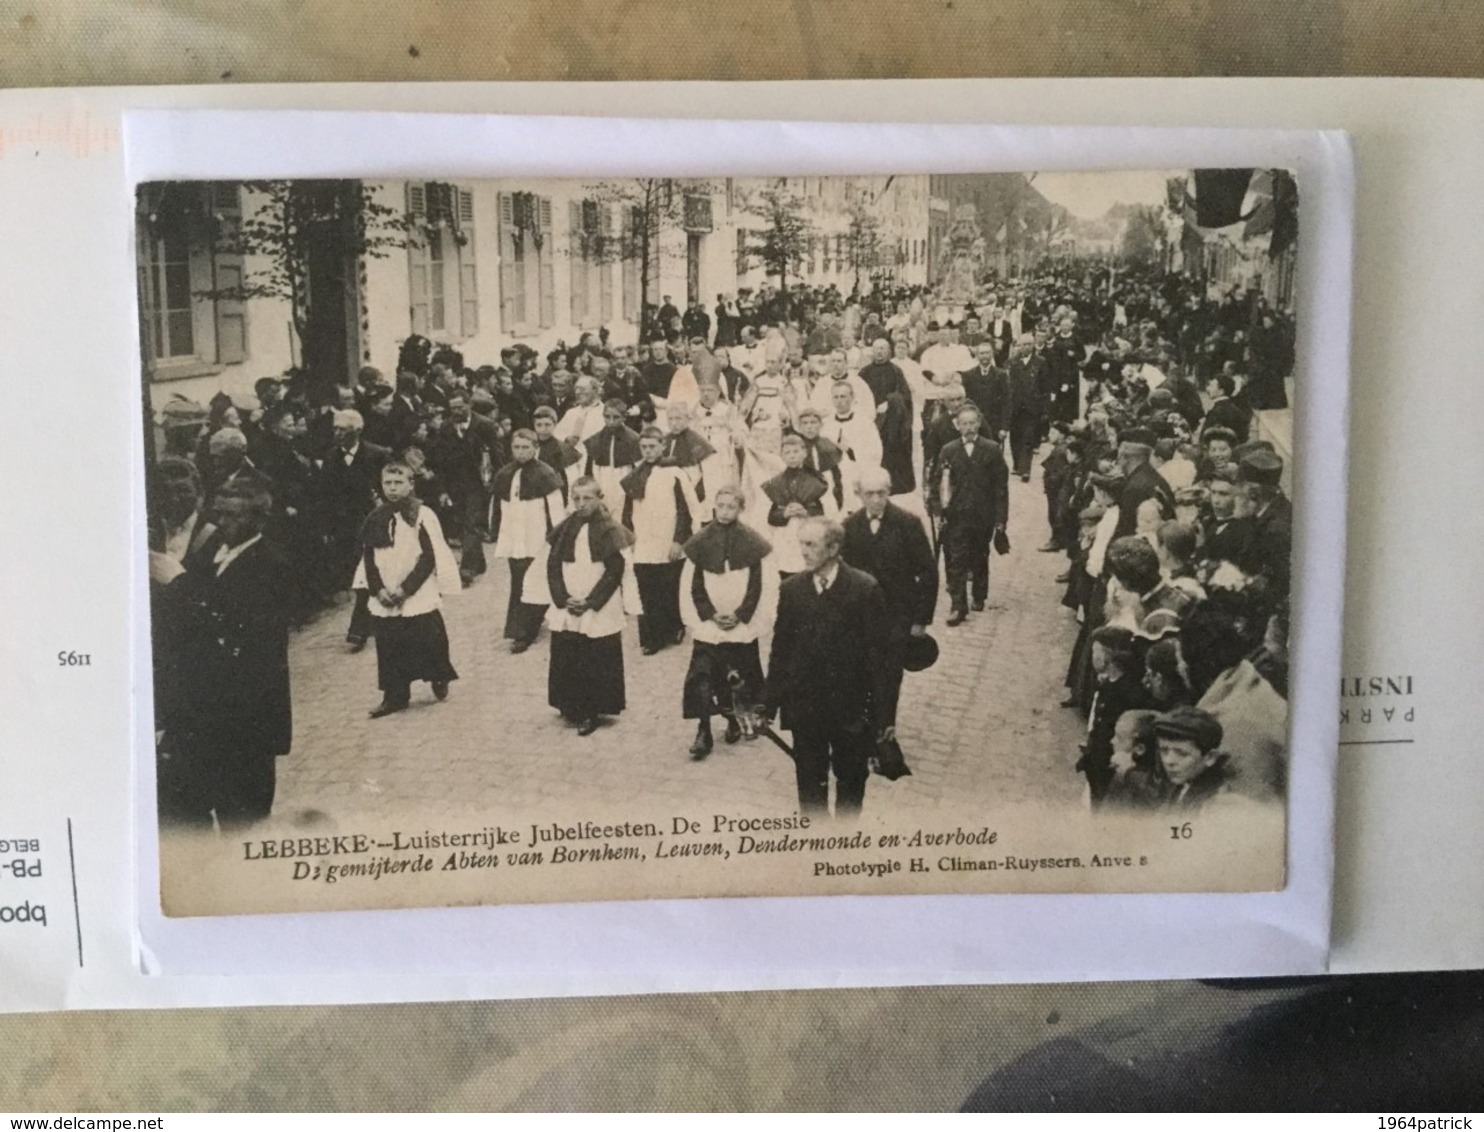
column 922, row 652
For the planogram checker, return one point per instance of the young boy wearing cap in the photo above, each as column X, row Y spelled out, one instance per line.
column 1194, row 766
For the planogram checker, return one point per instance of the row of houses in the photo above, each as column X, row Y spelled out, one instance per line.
column 477, row 265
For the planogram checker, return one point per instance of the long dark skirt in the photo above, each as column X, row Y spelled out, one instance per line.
column 586, row 675
column 659, row 591
column 708, row 690
column 411, row 648
column 522, row 618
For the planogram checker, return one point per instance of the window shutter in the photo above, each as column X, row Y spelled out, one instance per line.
column 468, row 271
column 577, row 260
column 227, row 273
column 605, row 270
column 417, row 258
column 508, row 292
column 547, row 314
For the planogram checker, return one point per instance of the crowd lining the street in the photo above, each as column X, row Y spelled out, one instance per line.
column 793, row 464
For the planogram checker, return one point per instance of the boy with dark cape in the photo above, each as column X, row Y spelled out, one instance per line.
column 728, row 594
column 590, row 582
column 793, row 495
column 406, row 567
column 614, row 452
column 661, row 509
column 528, row 502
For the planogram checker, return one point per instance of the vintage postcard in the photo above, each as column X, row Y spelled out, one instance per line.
column 621, row 537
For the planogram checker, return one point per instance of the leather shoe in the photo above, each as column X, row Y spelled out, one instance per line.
column 1065, row 576
column 440, row 689
column 978, row 607
column 649, row 650
column 702, row 746
column 386, row 707
column 958, row 617
column 588, row 725
column 733, row 731
column 1051, row 548
column 518, row 647
column 356, row 643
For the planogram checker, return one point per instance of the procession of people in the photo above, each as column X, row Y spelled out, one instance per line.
column 804, row 475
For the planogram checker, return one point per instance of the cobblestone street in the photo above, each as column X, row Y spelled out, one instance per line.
column 981, row 726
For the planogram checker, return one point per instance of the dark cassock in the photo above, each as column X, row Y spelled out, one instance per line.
column 661, row 509
column 657, row 377
column 894, row 550
column 611, row 454
column 728, row 596
column 232, row 711
column 829, row 674
column 889, row 387
column 403, row 548
column 588, row 562
column 528, row 499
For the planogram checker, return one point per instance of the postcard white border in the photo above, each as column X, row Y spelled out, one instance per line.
column 738, row 944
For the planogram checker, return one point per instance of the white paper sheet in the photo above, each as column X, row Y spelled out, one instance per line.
column 67, row 227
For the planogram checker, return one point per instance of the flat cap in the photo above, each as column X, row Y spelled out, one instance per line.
column 1191, row 723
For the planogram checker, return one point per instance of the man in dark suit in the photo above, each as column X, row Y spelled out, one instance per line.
column 1224, row 535
column 1226, row 411
column 829, row 671
column 1001, row 333
column 1135, row 448
column 1027, row 411
column 892, row 546
column 988, row 386
column 974, row 495
column 347, row 489
column 233, row 715
column 464, row 455
column 1270, row 547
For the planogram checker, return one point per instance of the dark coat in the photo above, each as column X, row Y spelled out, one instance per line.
column 980, row 483
column 830, row 668
column 1026, row 405
column 991, row 392
column 466, row 464
column 1271, row 545
column 901, row 560
column 1227, row 542
column 347, row 492
column 889, row 386
column 1143, row 483
column 233, row 655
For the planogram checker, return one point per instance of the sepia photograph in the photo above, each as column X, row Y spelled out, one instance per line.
column 621, row 537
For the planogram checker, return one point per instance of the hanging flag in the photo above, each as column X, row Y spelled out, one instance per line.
column 1219, row 194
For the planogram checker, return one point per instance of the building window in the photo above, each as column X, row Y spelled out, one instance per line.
column 527, row 264
column 165, row 289
column 191, row 308
column 443, row 280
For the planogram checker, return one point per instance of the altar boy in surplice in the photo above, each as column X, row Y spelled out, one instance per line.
column 528, row 505
column 793, row 495
column 613, row 452
column 661, row 509
column 588, row 581
column 728, row 593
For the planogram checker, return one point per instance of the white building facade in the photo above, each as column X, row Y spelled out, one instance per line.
column 481, row 265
